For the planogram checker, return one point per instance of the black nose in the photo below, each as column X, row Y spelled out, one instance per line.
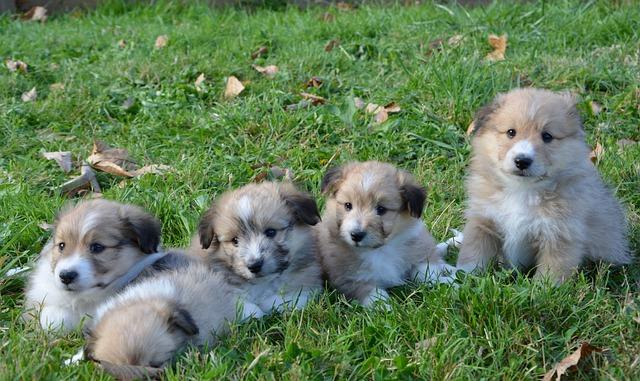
column 523, row 162
column 255, row 266
column 358, row 236
column 68, row 276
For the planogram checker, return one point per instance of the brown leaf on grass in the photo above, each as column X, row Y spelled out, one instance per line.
column 314, row 82
column 455, row 40
column 156, row 169
column 381, row 116
column 499, row 45
column 199, row 81
column 161, row 41
column 314, row 99
column 426, row 343
column 358, row 102
column 570, row 362
column 111, row 160
column 259, row 52
column 372, row 108
column 596, row 107
column 16, row 65
column 36, row 14
column 596, row 153
column 328, row 17
column 30, row 95
column 63, row 158
column 392, row 107
column 234, row 87
column 623, row 143
column 55, row 87
column 123, row 44
column 268, row 71
column 86, row 180
column 331, row 45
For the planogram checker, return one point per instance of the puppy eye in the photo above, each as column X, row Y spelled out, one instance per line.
column 348, row 206
column 380, row 210
column 61, row 246
column 546, row 137
column 511, row 132
column 235, row 241
column 96, row 248
column 270, row 233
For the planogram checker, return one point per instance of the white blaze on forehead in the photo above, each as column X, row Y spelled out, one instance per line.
column 253, row 250
column 523, row 147
column 244, row 208
column 368, row 178
column 91, row 221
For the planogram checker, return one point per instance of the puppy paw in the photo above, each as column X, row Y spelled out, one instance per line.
column 435, row 273
column 79, row 356
column 455, row 241
column 377, row 297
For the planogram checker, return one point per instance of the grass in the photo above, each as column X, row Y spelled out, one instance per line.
column 492, row 327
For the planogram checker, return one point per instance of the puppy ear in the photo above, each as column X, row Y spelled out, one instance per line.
column 571, row 103
column 302, row 205
column 413, row 194
column 331, row 180
column 206, row 229
column 482, row 116
column 181, row 319
column 143, row 228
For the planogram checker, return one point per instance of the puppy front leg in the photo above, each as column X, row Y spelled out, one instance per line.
column 53, row 318
column 557, row 261
column 481, row 244
column 438, row 272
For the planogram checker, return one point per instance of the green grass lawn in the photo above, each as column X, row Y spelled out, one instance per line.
column 492, row 327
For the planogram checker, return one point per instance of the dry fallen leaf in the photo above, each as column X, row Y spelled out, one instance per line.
column 358, row 102
column 331, row 45
column 111, row 160
column 62, row 158
column 392, row 107
column 56, row 87
column 426, row 343
column 597, row 153
column 434, row 46
column 268, row 71
column 30, row 95
column 86, row 179
column 259, row 52
column 16, row 65
column 341, row 5
column 381, row 116
column 162, row 41
column 499, row 45
column 199, row 81
column 123, row 44
column 596, row 107
column 314, row 99
column 156, row 169
column 372, row 108
column 36, row 14
column 234, row 87
column 328, row 17
column 314, row 82
column 570, row 361
column 472, row 126
column 455, row 39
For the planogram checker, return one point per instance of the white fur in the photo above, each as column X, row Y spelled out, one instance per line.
column 368, row 180
column 80, row 264
column 161, row 287
column 524, row 148
column 89, row 222
column 245, row 210
column 377, row 295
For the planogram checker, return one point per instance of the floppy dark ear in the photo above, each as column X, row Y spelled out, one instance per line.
column 331, row 180
column 413, row 194
column 143, row 228
column 482, row 116
column 181, row 319
column 206, row 229
column 302, row 205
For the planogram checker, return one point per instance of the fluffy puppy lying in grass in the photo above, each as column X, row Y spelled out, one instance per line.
column 535, row 199
column 138, row 332
column 371, row 236
column 260, row 236
column 97, row 248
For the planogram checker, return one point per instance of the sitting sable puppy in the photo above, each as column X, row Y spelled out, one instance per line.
column 138, row 332
column 371, row 236
column 535, row 199
column 97, row 248
column 260, row 236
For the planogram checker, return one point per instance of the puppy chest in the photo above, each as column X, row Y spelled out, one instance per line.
column 384, row 268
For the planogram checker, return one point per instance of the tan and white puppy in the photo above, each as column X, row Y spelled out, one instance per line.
column 371, row 236
column 260, row 235
column 97, row 248
column 144, row 327
column 534, row 197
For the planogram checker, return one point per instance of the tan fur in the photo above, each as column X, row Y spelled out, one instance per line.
column 233, row 236
column 553, row 214
column 150, row 322
column 396, row 248
column 125, row 234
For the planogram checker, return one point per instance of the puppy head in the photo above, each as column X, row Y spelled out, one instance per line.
column 530, row 134
column 372, row 201
column 98, row 241
column 257, row 228
column 142, row 333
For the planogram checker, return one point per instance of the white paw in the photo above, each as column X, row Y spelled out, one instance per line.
column 377, row 296
column 250, row 310
column 455, row 241
column 435, row 273
column 79, row 356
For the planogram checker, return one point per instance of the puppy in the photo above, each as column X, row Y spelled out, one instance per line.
column 535, row 199
column 97, row 248
column 371, row 236
column 144, row 327
column 260, row 236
